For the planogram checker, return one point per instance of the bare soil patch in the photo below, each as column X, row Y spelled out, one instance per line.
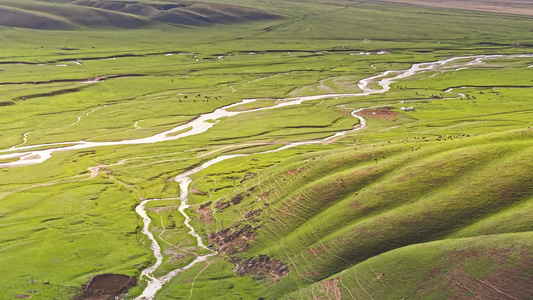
column 106, row 286
column 385, row 113
column 233, row 240
column 236, row 238
column 207, row 214
column 197, row 191
column 331, row 287
column 294, row 171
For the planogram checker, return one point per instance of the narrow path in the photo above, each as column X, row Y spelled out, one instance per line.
column 87, row 114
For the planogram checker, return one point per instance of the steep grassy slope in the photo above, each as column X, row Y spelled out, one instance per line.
column 325, row 212
column 486, row 267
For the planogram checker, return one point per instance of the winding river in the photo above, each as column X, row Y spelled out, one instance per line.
column 184, row 179
column 26, row 156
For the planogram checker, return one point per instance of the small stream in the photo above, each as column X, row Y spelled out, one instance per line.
column 184, row 180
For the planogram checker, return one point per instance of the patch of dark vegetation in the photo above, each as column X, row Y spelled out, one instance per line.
column 16, row 63
column 205, row 205
column 385, row 113
column 7, row 103
column 54, row 93
column 51, row 219
column 261, row 267
column 221, row 204
column 93, row 79
column 233, row 239
column 237, row 199
column 251, row 214
column 80, row 59
column 167, row 6
column 248, row 176
column 206, row 213
column 495, row 44
column 102, row 58
column 106, row 286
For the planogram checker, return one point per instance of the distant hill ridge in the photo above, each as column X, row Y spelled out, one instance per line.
column 48, row 15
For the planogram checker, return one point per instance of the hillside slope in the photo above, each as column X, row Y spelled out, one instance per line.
column 48, row 15
column 324, row 214
column 485, row 267
column 14, row 17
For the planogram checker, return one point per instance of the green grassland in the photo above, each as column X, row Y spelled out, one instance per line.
column 430, row 204
column 439, row 269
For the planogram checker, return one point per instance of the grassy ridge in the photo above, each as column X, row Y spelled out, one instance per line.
column 348, row 216
column 488, row 266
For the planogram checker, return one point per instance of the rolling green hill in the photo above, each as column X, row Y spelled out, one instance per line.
column 329, row 214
